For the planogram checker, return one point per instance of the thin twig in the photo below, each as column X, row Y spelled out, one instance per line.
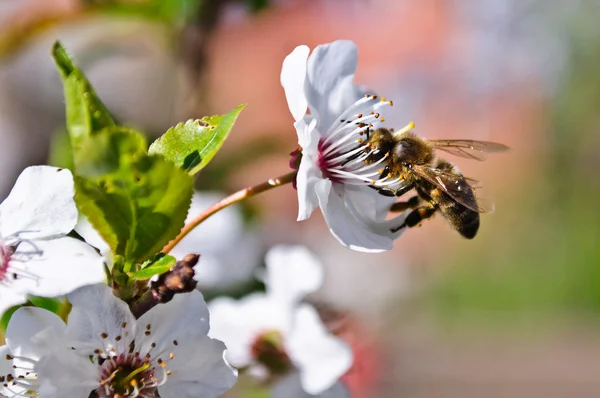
column 228, row 201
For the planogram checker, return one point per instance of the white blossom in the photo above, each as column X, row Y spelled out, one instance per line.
column 332, row 173
column 219, row 266
column 273, row 334
column 104, row 349
column 36, row 256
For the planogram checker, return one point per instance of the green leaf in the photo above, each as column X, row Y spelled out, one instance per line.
column 137, row 203
column 86, row 114
column 51, row 304
column 158, row 265
column 5, row 319
column 191, row 145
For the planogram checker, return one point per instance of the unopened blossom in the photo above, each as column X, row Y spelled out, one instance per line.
column 332, row 173
column 36, row 256
column 277, row 337
column 104, row 350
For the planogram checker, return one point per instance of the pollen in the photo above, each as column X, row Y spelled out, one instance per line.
column 360, row 140
column 382, row 99
column 383, row 119
column 380, row 171
column 390, row 103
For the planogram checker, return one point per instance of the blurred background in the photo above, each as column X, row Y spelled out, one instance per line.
column 513, row 313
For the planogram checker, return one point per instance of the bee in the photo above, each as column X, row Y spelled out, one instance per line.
column 440, row 186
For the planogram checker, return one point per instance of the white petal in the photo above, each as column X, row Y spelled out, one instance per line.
column 293, row 75
column 96, row 310
column 292, row 273
column 40, row 204
column 85, row 229
column 10, row 297
column 183, row 319
column 32, row 332
column 290, row 387
column 238, row 323
column 64, row 265
column 219, row 267
column 65, row 373
column 198, row 370
column 347, row 224
column 309, row 173
column 321, row 358
column 329, row 88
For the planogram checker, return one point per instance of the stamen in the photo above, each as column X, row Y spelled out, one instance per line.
column 405, row 129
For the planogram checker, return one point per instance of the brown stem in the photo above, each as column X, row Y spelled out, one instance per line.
column 228, row 201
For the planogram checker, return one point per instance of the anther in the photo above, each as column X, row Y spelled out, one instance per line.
column 103, row 335
column 359, row 140
column 359, row 115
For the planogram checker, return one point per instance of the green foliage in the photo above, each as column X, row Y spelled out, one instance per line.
column 157, row 265
column 135, row 201
column 86, row 114
column 191, row 145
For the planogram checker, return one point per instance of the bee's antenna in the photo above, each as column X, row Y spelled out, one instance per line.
column 406, row 128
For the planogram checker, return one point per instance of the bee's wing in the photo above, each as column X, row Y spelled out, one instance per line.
column 456, row 186
column 470, row 149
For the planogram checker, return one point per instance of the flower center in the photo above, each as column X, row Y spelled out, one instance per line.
column 10, row 258
column 127, row 372
column 268, row 350
column 127, row 375
column 345, row 147
column 6, row 253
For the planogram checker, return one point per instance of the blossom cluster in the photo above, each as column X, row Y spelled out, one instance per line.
column 103, row 291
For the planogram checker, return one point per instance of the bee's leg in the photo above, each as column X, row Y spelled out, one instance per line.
column 385, row 191
column 409, row 204
column 416, row 216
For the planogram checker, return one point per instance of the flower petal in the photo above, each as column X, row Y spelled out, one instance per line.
column 183, row 319
column 64, row 373
column 321, row 358
column 10, row 297
column 85, row 229
column 309, row 173
column 290, row 387
column 293, row 75
column 32, row 331
column 198, row 370
column 350, row 226
column 238, row 323
column 292, row 273
column 96, row 310
column 40, row 204
column 329, row 88
column 64, row 265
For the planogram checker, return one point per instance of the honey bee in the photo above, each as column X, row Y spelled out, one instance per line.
column 440, row 186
